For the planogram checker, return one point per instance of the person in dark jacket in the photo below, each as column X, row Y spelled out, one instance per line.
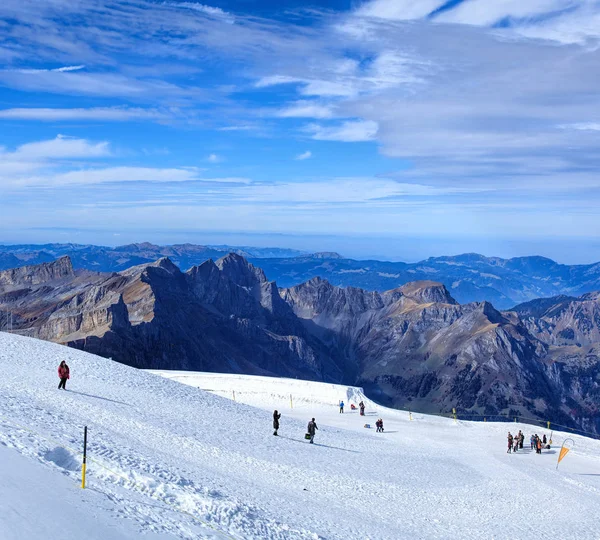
column 276, row 417
column 362, row 408
column 311, row 429
column 63, row 375
column 510, row 443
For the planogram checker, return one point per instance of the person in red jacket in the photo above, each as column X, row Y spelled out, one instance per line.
column 63, row 375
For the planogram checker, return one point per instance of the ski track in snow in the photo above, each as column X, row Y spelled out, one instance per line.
column 170, row 459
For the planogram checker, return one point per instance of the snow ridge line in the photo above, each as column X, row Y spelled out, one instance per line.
column 141, row 488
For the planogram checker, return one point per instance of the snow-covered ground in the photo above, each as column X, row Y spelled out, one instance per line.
column 172, row 460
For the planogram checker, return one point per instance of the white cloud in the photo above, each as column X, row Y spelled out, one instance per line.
column 214, row 158
column 399, row 9
column 102, row 114
column 207, row 10
column 305, row 109
column 62, row 69
column 351, row 131
column 59, row 148
column 304, row 155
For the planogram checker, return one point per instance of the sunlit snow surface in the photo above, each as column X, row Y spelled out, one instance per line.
column 171, row 460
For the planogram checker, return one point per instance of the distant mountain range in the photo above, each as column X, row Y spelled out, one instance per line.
column 470, row 277
column 411, row 346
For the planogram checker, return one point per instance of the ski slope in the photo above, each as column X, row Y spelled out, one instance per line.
column 170, row 460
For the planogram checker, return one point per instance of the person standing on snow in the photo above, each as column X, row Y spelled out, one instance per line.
column 510, row 443
column 63, row 375
column 341, row 406
column 532, row 440
column 362, row 408
column 311, row 429
column 521, row 439
column 276, row 417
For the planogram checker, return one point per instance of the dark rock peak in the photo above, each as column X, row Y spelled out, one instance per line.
column 166, row 264
column 493, row 315
column 541, row 306
column 427, row 292
column 240, row 271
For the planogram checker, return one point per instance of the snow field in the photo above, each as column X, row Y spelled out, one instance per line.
column 176, row 451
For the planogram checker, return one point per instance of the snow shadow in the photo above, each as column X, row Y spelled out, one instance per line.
column 304, row 441
column 98, row 397
column 62, row 458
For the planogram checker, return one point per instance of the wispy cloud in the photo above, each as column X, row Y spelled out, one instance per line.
column 214, row 158
column 304, row 155
column 103, row 114
column 305, row 109
column 351, row 131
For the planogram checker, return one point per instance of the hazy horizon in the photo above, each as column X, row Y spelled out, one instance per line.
column 390, row 248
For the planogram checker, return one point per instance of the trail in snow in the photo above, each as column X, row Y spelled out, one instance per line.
column 180, row 460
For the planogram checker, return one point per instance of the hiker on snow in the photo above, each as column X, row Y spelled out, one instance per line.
column 510, row 443
column 312, row 427
column 521, row 439
column 379, row 425
column 63, row 375
column 362, row 408
column 341, row 406
column 276, row 417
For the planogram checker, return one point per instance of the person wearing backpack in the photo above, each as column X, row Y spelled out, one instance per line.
column 311, row 429
column 276, row 417
column 63, row 374
column 341, row 406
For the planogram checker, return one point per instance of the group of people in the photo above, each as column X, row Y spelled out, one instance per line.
column 312, row 425
column 516, row 442
column 538, row 443
column 310, row 429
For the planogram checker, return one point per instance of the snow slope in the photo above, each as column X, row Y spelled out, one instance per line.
column 171, row 460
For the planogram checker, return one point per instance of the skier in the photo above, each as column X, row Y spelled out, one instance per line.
column 362, row 408
column 510, row 443
column 63, row 375
column 276, row 417
column 312, row 427
column 341, row 406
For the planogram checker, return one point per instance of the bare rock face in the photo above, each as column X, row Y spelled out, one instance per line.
column 223, row 316
column 564, row 320
column 34, row 275
column 427, row 292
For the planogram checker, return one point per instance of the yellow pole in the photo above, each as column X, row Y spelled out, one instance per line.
column 484, row 419
column 291, row 402
column 83, row 467
column 233, row 395
column 410, row 415
column 548, row 424
column 454, row 413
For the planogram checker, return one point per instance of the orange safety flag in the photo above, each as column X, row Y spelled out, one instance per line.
column 563, row 452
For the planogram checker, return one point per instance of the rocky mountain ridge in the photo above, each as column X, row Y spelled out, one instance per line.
column 411, row 346
column 469, row 277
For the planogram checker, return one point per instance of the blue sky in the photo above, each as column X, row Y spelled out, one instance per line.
column 389, row 128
